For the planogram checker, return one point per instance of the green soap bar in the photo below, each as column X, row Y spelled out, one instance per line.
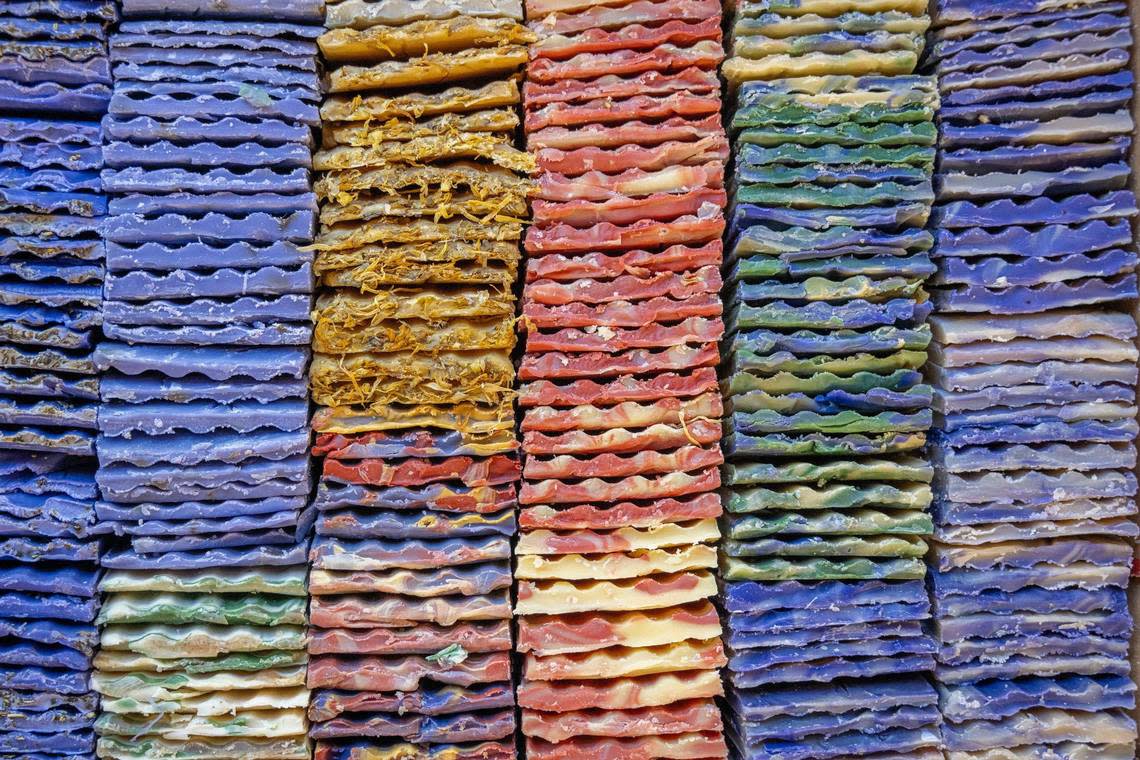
column 174, row 686
column 800, row 8
column 845, row 134
column 817, row 383
column 733, row 569
column 780, row 174
column 904, row 468
column 780, row 25
column 831, row 546
column 765, row 266
column 265, row 580
column 825, row 289
column 833, row 342
column 757, row 401
column 759, row 45
column 202, row 748
column 842, row 195
column 839, row 496
column 771, row 364
column 837, row 155
column 110, row 661
column 819, row 522
column 819, row 444
column 187, row 609
column 792, row 243
column 772, row 110
column 256, row 723
column 847, row 421
column 200, row 640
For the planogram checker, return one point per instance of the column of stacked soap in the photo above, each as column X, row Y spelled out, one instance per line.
column 622, row 314
column 203, row 445
column 55, row 82
column 423, row 195
column 827, row 488
column 1035, row 375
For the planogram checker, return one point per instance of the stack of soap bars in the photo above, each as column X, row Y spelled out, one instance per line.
column 203, row 458
column 621, row 421
column 55, row 82
column 423, row 195
column 1035, row 377
column 827, row 489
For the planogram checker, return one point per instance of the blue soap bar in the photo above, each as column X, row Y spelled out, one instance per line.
column 44, row 679
column 159, row 256
column 743, row 215
column 986, row 271
column 188, row 283
column 82, row 638
column 828, row 670
column 189, row 450
column 30, row 606
column 752, row 660
column 206, row 525
column 192, row 543
column 742, row 624
column 166, row 483
column 1078, row 627
column 1021, row 666
column 191, row 510
column 233, row 335
column 1048, row 241
column 137, row 390
column 1033, row 600
column 1074, row 209
column 25, row 654
column 1041, row 89
column 821, row 728
column 460, row 727
column 1121, row 431
column 137, row 179
column 31, row 549
column 803, row 637
column 756, row 597
column 163, row 418
column 49, row 578
column 998, row 699
column 214, row 363
column 46, row 721
column 272, row 556
column 980, row 652
column 66, row 743
column 968, row 582
column 50, row 97
column 408, row 524
column 35, row 201
column 1037, row 298
column 808, row 698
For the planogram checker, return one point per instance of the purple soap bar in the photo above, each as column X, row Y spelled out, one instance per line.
column 30, row 549
column 831, row 669
column 299, row 11
column 158, row 256
column 1037, row 110
column 1053, row 456
column 48, row 578
column 1042, row 432
column 965, row 582
column 200, row 203
column 40, row 607
column 49, row 97
column 806, row 699
column 62, row 62
column 220, row 99
column 217, row 57
column 204, row 154
column 52, row 201
column 754, row 597
column 193, row 543
column 190, row 510
column 1080, row 627
column 999, row 699
column 750, row 660
column 742, row 625
column 1020, row 666
column 65, row 10
column 160, row 418
column 398, row 444
column 180, row 449
column 806, row 637
column 990, row 271
column 51, row 158
column 64, row 718
column 273, row 556
column 1034, row 75
column 28, row 654
column 83, row 638
column 406, row 524
column 1089, row 41
column 1056, row 552
column 138, row 180
column 1075, row 209
column 822, row 728
column 19, row 28
column 232, row 335
column 1063, row 22
column 1036, row 299
column 229, row 129
column 59, row 180
column 1048, row 241
column 66, row 743
column 972, row 653
column 1033, row 600
column 875, row 743
column 188, row 283
column 216, row 364
column 214, row 481
column 302, row 83
column 269, row 32
column 1040, row 157
column 137, row 390
column 209, row 311
column 1028, row 183
column 178, row 228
